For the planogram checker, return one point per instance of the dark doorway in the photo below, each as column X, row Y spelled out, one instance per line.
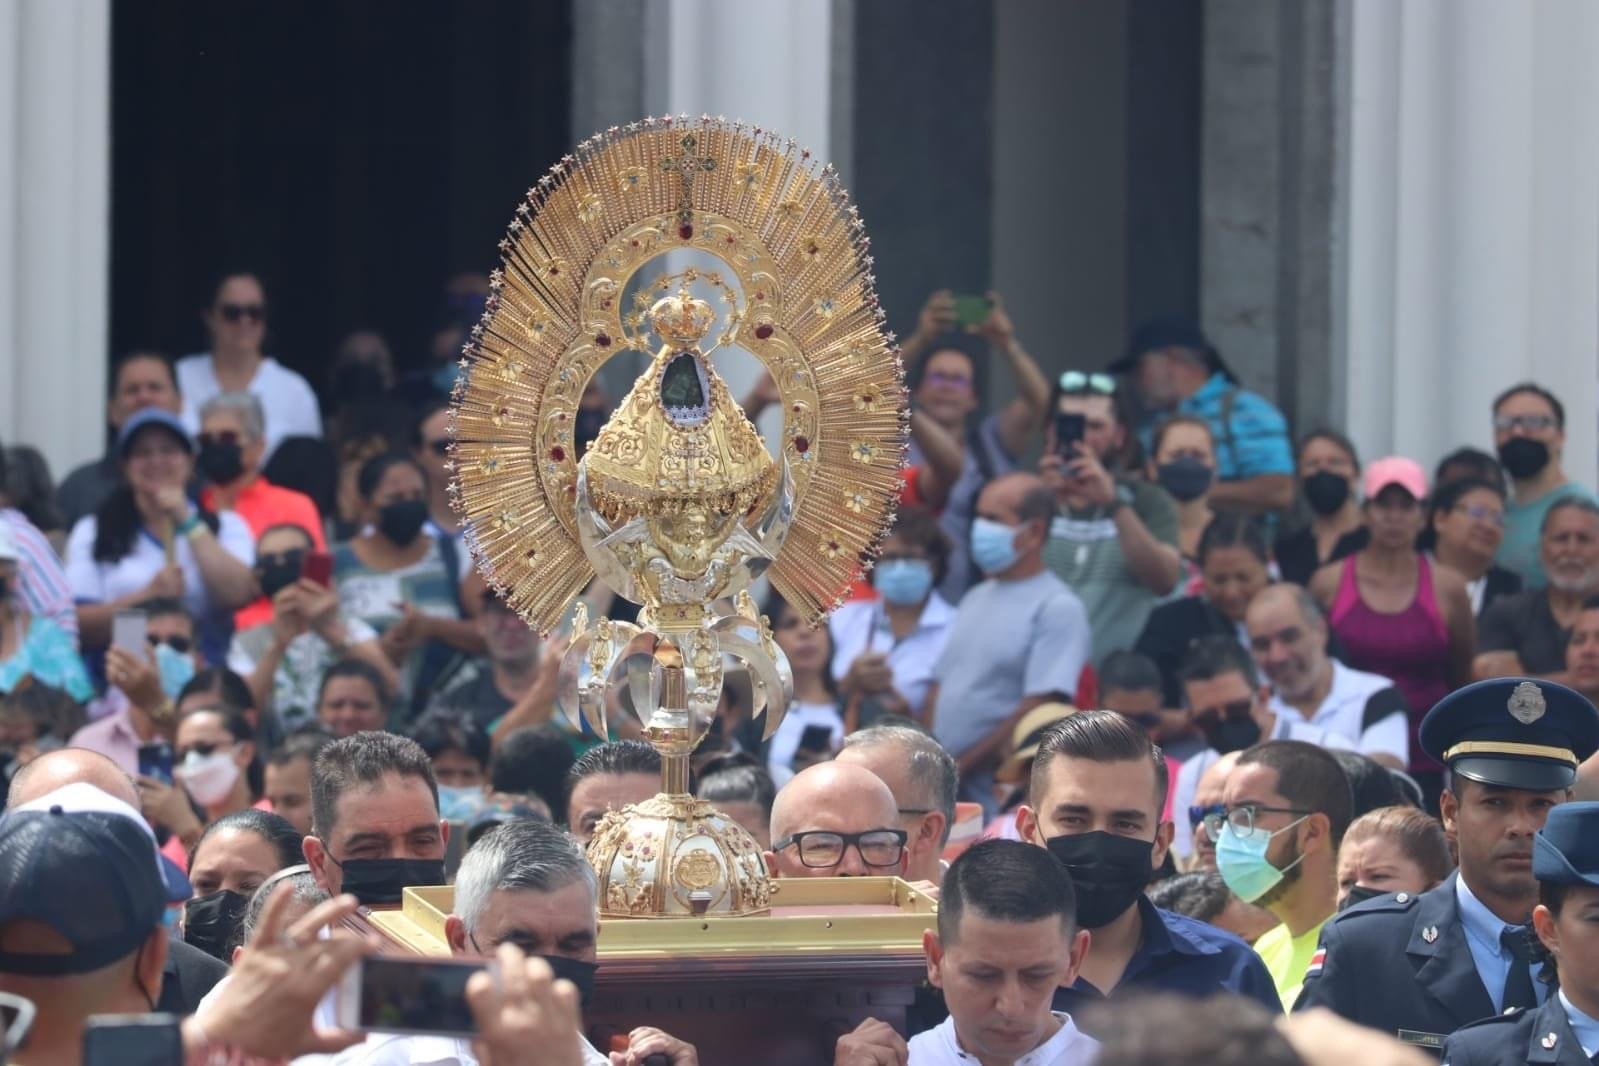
column 355, row 153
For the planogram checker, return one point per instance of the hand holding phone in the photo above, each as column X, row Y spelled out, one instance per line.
column 317, row 567
column 155, row 761
column 1070, row 428
column 129, row 631
column 971, row 310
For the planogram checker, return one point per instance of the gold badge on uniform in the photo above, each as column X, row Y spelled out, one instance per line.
column 1527, row 703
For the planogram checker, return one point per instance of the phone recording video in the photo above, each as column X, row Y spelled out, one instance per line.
column 1069, row 430
column 317, row 567
column 971, row 310
column 128, row 632
column 394, row 994
column 155, row 760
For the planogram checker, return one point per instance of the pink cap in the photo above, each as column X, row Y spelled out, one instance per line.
column 1394, row 470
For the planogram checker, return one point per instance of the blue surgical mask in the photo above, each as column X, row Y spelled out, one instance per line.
column 903, row 582
column 459, row 803
column 176, row 669
column 1241, row 860
column 993, row 545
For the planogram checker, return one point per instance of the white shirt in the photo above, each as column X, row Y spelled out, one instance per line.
column 861, row 626
column 785, row 742
column 390, row 1049
column 1068, row 1047
column 1288, row 727
column 1365, row 709
column 287, row 401
column 93, row 581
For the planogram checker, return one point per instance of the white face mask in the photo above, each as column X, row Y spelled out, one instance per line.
column 208, row 778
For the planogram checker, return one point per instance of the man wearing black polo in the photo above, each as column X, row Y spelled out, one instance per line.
column 1094, row 801
column 1422, row 966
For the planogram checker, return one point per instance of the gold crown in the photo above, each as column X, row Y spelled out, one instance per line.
column 681, row 320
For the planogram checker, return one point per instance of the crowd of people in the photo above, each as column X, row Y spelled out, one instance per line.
column 1166, row 703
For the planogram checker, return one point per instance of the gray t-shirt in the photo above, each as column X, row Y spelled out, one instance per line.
column 1010, row 640
column 1085, row 551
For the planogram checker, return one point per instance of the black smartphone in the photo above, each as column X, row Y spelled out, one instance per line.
column 1069, row 430
column 132, row 1040
column 155, row 760
column 399, row 994
column 816, row 738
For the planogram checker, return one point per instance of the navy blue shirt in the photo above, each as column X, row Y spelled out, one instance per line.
column 1182, row 955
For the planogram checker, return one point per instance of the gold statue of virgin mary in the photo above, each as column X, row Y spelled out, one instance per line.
column 678, row 504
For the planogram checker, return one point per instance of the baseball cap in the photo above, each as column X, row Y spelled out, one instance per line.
column 152, row 416
column 79, row 861
column 82, row 796
column 1394, row 470
column 1027, row 734
column 1169, row 331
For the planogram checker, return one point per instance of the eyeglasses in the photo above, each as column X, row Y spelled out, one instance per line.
column 181, row 645
column 1526, row 423
column 1077, row 381
column 238, row 312
column 953, row 381
column 1481, row 513
column 820, row 849
column 440, row 447
column 1202, row 814
column 1233, row 711
column 1242, row 817
column 224, row 436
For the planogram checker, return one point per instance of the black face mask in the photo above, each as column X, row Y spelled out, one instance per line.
column 220, row 462
column 1233, row 734
column 1186, row 479
column 1108, row 872
column 1524, row 457
column 279, row 573
column 1325, row 491
column 209, row 922
column 402, row 521
column 1360, row 894
column 380, row 881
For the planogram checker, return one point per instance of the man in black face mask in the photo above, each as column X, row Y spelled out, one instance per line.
column 1097, row 790
column 1530, row 437
column 1229, row 705
column 375, row 825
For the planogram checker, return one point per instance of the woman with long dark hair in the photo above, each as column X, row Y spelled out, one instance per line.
column 813, row 728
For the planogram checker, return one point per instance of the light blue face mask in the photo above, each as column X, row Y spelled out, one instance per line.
column 459, row 803
column 1241, row 860
column 176, row 669
column 993, row 545
column 903, row 582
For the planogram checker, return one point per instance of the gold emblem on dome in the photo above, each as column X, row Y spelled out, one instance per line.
column 678, row 504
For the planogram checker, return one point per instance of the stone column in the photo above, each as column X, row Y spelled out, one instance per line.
column 55, row 71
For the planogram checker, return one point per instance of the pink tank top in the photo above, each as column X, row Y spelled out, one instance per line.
column 1411, row 647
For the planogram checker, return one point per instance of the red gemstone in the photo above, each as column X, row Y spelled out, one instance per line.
column 802, row 444
column 685, row 231
column 558, row 454
column 763, row 331
column 602, row 339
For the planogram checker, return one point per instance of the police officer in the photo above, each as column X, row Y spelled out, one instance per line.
column 1421, row 966
column 1565, row 1030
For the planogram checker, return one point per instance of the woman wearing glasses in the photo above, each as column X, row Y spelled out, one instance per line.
column 236, row 322
column 1466, row 524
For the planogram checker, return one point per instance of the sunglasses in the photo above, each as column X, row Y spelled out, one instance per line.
column 1231, row 712
column 239, row 312
column 201, row 748
column 440, row 447
column 1077, row 381
column 181, row 645
column 226, row 436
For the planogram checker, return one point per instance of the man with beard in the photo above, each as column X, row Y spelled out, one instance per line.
column 1526, row 633
column 1422, row 966
column 1287, row 806
column 1094, row 801
column 1234, row 711
column 1530, row 436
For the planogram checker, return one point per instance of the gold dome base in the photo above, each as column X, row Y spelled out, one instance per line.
column 675, row 856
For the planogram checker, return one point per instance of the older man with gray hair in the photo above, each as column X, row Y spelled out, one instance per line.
column 922, row 777
column 524, row 883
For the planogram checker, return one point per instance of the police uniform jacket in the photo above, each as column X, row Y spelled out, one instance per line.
column 1520, row 1036
column 1399, row 963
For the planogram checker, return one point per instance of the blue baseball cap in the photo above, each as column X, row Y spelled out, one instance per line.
column 152, row 416
column 1517, row 732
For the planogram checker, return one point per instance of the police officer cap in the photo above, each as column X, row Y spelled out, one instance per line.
column 1566, row 849
column 1513, row 731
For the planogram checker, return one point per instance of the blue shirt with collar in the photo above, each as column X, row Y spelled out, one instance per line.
column 1180, row 954
column 1251, row 434
column 1482, row 928
column 1585, row 1027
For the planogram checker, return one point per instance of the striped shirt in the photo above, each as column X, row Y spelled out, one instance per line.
column 1251, row 435
column 40, row 579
